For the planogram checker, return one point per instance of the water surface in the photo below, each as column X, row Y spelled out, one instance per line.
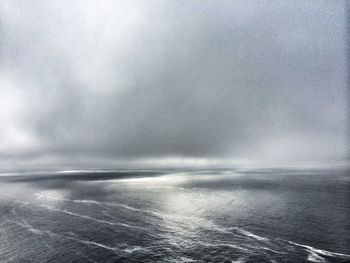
column 219, row 215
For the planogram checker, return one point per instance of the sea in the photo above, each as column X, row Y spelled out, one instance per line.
column 237, row 215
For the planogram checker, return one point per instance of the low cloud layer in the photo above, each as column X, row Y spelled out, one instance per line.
column 107, row 83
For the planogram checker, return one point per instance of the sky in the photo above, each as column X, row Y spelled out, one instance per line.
column 110, row 84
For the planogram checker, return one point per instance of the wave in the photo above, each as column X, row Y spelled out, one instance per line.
column 84, row 216
column 255, row 248
column 28, row 227
column 185, row 259
column 33, row 230
column 314, row 257
column 105, row 205
column 188, row 224
column 204, row 223
column 93, row 219
column 206, row 244
column 249, row 234
column 320, row 251
column 131, row 249
column 239, row 230
column 239, row 260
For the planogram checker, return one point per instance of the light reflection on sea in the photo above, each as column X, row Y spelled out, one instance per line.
column 217, row 215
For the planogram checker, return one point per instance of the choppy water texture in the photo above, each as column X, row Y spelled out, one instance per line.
column 221, row 215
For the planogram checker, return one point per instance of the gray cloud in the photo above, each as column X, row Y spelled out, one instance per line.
column 105, row 83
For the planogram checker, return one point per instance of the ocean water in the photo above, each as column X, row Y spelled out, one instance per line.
column 219, row 215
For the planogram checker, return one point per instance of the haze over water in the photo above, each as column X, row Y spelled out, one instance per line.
column 217, row 215
column 90, row 88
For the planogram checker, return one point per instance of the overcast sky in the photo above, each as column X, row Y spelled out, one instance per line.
column 101, row 84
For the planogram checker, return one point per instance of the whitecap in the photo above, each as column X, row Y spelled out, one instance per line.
column 314, row 257
column 249, row 234
column 320, row 251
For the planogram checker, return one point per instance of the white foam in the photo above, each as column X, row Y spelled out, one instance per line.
column 265, row 248
column 33, row 230
column 184, row 259
column 206, row 244
column 101, row 204
column 110, row 204
column 51, row 208
column 249, row 234
column 131, row 250
column 314, row 257
column 29, row 228
column 320, row 251
column 95, row 219
column 92, row 243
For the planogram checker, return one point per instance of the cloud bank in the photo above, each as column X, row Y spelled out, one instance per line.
column 109, row 83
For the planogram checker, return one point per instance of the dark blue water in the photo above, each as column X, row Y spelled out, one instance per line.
column 220, row 215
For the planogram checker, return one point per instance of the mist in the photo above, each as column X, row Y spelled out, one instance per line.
column 91, row 84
